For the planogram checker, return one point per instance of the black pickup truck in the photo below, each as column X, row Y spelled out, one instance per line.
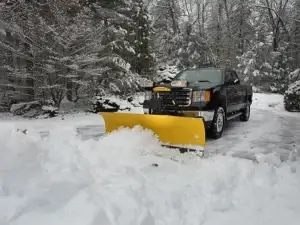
column 214, row 94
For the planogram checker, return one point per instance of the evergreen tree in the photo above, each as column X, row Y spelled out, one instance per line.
column 115, row 56
column 242, row 29
column 143, row 60
column 193, row 50
column 166, row 30
column 296, row 34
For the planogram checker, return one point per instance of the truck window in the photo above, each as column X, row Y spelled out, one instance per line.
column 228, row 77
column 200, row 75
column 235, row 76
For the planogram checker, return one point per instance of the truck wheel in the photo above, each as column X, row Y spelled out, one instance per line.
column 245, row 113
column 218, row 123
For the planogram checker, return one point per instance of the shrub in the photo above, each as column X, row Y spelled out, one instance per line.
column 292, row 97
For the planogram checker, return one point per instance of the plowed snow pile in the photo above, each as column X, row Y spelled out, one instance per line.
column 125, row 179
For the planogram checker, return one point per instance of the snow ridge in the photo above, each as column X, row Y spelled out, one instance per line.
column 61, row 179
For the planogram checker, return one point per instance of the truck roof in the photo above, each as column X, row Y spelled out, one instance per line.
column 207, row 68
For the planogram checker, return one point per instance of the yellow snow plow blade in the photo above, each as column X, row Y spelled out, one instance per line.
column 182, row 132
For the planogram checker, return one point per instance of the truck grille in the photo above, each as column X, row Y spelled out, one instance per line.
column 181, row 98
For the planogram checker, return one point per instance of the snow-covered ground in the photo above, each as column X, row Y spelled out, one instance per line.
column 69, row 172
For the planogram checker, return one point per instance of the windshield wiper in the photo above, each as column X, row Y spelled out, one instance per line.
column 203, row 81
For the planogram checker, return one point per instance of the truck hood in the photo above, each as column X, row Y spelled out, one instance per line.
column 196, row 86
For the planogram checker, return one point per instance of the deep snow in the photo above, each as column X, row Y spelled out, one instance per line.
column 65, row 177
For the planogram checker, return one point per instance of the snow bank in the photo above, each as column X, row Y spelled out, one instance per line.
column 266, row 101
column 114, row 103
column 75, row 120
column 271, row 102
column 166, row 72
column 64, row 180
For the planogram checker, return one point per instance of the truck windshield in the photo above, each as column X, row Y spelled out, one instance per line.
column 203, row 75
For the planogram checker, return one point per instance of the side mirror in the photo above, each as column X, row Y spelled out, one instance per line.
column 166, row 81
column 236, row 81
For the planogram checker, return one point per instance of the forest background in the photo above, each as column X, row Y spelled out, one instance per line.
column 53, row 51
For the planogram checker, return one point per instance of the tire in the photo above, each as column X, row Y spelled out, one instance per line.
column 246, row 112
column 218, row 123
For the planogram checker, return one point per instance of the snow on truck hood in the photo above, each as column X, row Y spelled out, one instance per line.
column 127, row 178
column 203, row 85
column 196, row 85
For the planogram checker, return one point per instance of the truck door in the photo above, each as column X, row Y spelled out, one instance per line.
column 240, row 91
column 230, row 91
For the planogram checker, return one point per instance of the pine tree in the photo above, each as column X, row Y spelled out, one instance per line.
column 118, row 49
column 242, row 30
column 143, row 60
column 166, row 29
column 296, row 34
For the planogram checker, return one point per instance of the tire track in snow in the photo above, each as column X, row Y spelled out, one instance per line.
column 266, row 133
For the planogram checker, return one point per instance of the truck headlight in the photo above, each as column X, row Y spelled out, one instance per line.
column 146, row 83
column 201, row 96
column 148, row 95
